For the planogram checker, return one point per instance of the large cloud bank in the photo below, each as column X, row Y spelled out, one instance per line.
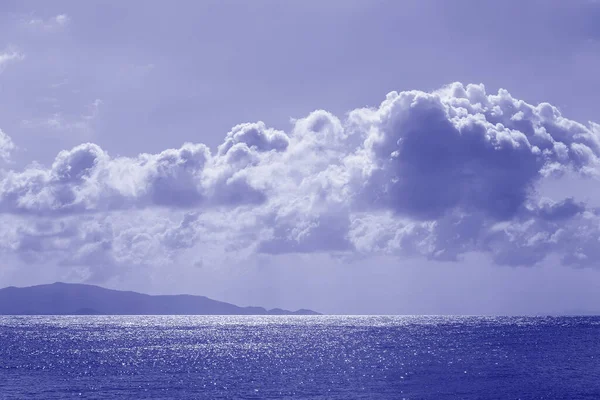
column 437, row 174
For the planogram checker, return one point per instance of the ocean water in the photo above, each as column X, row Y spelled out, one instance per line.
column 324, row 357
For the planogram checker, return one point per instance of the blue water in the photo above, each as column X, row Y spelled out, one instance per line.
column 197, row 357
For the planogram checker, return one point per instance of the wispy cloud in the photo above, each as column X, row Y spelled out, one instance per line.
column 81, row 124
column 56, row 22
column 8, row 56
column 62, row 19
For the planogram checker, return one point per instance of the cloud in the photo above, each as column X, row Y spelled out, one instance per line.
column 461, row 168
column 438, row 174
column 6, row 146
column 460, row 149
column 62, row 19
column 86, row 179
column 80, row 124
column 8, row 56
column 57, row 22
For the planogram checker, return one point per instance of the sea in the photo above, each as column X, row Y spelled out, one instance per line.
column 299, row 357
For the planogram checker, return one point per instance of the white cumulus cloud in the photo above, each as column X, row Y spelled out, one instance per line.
column 437, row 174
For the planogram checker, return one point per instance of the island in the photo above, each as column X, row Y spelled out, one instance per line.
column 81, row 299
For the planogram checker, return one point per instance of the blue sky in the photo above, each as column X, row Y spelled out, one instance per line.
column 446, row 199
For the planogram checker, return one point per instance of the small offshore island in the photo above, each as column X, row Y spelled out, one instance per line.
column 80, row 299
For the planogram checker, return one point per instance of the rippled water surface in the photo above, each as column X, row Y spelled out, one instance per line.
column 139, row 357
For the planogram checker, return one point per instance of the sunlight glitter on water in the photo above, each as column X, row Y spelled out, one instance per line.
column 339, row 357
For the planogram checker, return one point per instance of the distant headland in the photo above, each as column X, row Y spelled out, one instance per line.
column 79, row 299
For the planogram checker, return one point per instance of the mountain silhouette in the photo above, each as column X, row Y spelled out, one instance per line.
column 79, row 299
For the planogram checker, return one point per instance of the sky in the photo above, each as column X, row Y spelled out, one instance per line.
column 349, row 156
